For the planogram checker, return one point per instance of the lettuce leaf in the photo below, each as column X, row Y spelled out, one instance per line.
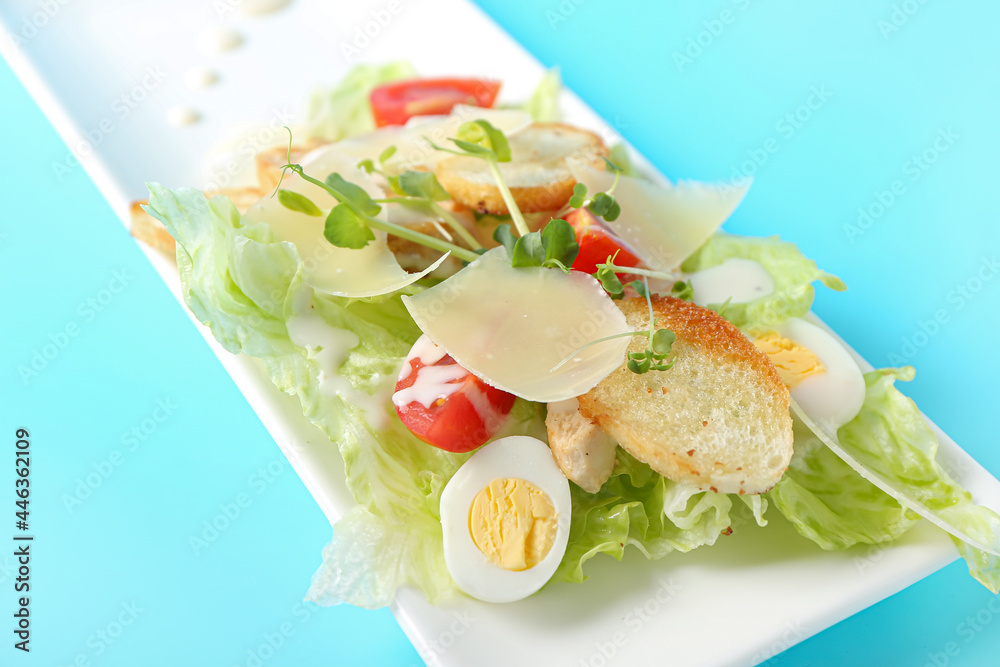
column 543, row 105
column 640, row 507
column 343, row 110
column 792, row 272
column 241, row 283
column 832, row 505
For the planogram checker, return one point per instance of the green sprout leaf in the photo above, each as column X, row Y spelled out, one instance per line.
column 720, row 308
column 610, row 282
column 345, row 229
column 367, row 165
column 663, row 340
column 475, row 149
column 344, row 190
column 477, row 136
column 386, row 154
column 579, row 196
column 611, row 166
column 638, row 366
column 504, row 235
column 528, row 251
column 294, row 201
column 640, row 287
column 559, row 243
column 683, row 289
column 423, row 184
column 603, row 204
column 613, row 211
column 618, row 155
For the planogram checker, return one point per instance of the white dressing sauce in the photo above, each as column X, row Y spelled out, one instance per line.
column 432, row 383
column 426, row 350
column 199, row 78
column 330, row 347
column 219, row 39
column 261, row 7
column 181, row 115
column 738, row 279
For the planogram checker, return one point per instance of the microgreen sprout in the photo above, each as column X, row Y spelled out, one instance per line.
column 602, row 204
column 479, row 139
column 658, row 348
column 720, row 308
column 555, row 246
column 683, row 290
column 607, row 274
column 350, row 222
column 653, row 358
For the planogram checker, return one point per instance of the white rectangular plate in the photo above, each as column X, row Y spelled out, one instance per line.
column 768, row 587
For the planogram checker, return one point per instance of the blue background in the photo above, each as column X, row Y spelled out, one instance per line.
column 704, row 94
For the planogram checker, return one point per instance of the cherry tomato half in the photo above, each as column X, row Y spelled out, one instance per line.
column 444, row 404
column 397, row 102
column 597, row 244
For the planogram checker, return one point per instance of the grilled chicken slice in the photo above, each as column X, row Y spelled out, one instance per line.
column 582, row 450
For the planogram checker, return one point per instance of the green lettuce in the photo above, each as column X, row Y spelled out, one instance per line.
column 640, row 507
column 543, row 105
column 831, row 504
column 241, row 283
column 792, row 272
column 343, row 110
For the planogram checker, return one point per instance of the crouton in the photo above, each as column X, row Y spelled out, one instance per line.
column 719, row 418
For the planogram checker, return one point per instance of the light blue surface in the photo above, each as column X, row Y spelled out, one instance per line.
column 889, row 96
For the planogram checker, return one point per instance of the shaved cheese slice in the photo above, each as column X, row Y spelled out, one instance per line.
column 412, row 148
column 511, row 326
column 365, row 272
column 831, row 440
column 663, row 224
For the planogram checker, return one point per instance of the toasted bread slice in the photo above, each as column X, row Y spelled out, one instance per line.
column 151, row 231
column 718, row 419
column 537, row 175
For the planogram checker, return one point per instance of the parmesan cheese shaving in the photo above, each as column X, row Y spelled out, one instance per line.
column 663, row 224
column 510, row 326
column 368, row 271
column 413, row 151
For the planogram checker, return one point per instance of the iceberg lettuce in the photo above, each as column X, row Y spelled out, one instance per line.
column 543, row 105
column 343, row 110
column 831, row 504
column 640, row 507
column 792, row 272
column 240, row 282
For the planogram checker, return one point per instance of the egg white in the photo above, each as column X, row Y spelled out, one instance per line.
column 834, row 397
column 517, row 457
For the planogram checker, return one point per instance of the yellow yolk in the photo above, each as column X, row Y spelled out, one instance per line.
column 513, row 523
column 794, row 362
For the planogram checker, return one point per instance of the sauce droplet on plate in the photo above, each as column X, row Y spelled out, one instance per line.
column 261, row 7
column 199, row 78
column 181, row 115
column 219, row 40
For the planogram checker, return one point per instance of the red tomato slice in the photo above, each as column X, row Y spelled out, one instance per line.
column 397, row 102
column 597, row 244
column 446, row 406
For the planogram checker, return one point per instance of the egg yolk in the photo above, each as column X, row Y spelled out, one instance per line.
column 513, row 523
column 794, row 362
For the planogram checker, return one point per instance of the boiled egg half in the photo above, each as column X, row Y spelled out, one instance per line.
column 505, row 516
column 819, row 372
